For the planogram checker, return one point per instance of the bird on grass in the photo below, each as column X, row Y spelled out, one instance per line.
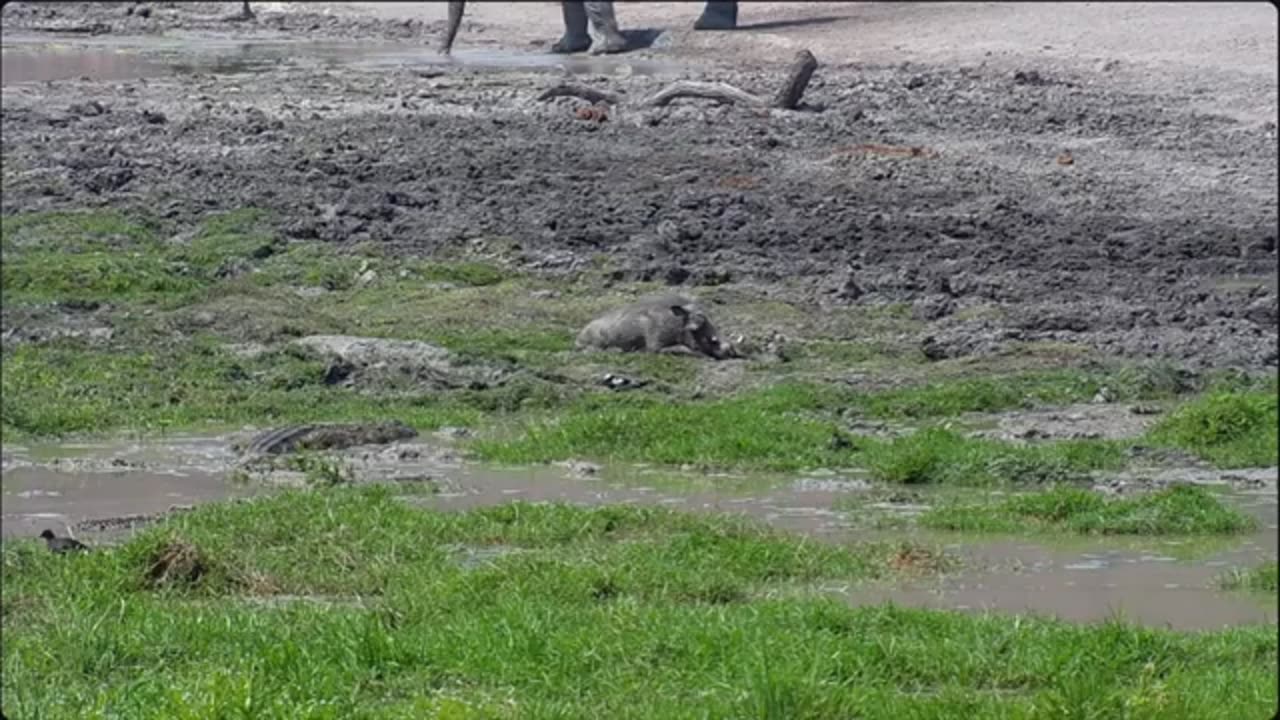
column 62, row 545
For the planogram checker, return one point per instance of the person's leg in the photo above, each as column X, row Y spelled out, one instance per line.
column 718, row 15
column 606, row 25
column 575, row 38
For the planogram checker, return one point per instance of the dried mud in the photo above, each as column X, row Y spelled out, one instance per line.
column 984, row 230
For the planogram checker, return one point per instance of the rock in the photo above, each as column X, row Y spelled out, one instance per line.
column 1262, row 311
column 1029, row 77
column 454, row 433
column 618, row 382
column 675, row 275
column 932, row 307
column 370, row 358
column 338, row 372
column 89, row 109
column 336, row 436
column 581, row 468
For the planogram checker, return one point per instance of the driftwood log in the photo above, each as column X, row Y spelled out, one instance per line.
column 787, row 97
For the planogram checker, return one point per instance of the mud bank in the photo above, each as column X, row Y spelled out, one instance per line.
column 1041, row 205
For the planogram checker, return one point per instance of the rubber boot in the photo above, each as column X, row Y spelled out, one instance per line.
column 605, row 24
column 576, row 38
column 718, row 15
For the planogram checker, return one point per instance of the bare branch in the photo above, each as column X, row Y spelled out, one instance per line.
column 787, row 97
column 723, row 92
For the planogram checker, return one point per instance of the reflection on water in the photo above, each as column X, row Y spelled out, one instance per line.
column 40, row 60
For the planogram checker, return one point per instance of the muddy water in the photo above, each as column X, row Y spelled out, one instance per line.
column 32, row 59
column 1151, row 581
column 60, row 487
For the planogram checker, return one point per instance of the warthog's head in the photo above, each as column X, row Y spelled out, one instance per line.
column 701, row 334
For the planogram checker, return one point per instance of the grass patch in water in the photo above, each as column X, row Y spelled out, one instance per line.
column 764, row 430
column 1263, row 579
column 1178, row 510
column 347, row 604
column 1229, row 429
column 941, row 456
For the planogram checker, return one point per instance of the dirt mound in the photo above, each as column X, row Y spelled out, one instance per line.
column 364, row 361
column 176, row 563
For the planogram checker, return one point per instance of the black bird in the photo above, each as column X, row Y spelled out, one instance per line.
column 62, row 545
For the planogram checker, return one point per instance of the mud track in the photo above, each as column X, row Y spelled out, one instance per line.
column 1156, row 238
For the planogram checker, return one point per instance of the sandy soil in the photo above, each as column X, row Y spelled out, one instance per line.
column 1094, row 173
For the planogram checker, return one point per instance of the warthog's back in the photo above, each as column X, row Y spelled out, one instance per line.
column 646, row 324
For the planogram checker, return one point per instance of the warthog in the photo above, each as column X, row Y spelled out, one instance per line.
column 665, row 324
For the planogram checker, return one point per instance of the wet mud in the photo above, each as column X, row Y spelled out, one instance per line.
column 103, row 492
column 990, row 236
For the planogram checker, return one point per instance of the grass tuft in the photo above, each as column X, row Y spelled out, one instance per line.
column 1178, row 510
column 1264, row 579
column 941, row 456
column 1231, row 430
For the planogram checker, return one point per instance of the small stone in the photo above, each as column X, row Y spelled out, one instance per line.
column 454, row 432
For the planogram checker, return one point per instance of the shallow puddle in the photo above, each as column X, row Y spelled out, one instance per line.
column 1159, row 582
column 43, row 59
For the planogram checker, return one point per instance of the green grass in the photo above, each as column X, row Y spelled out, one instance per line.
column 770, row 429
column 941, row 456
column 173, row 303
column 982, row 395
column 1027, row 390
column 1178, row 510
column 1229, row 429
column 57, row 390
column 103, row 256
column 1262, row 579
column 784, row 427
column 347, row 604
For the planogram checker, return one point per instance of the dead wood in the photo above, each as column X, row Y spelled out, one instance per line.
column 787, row 97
